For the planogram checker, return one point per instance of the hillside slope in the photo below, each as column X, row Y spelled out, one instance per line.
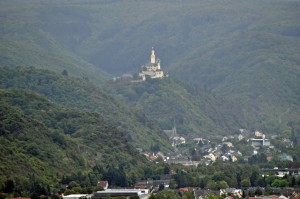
column 117, row 36
column 24, row 43
column 81, row 94
column 39, row 137
column 245, row 53
column 170, row 102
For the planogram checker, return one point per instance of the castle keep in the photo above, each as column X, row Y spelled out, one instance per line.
column 152, row 69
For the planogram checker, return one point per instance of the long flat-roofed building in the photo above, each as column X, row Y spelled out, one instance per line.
column 75, row 196
column 118, row 193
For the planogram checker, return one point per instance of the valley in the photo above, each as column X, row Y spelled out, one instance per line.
column 200, row 98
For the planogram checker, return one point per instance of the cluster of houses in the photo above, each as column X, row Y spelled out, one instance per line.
column 294, row 170
column 144, row 188
column 211, row 151
column 224, row 151
column 174, row 138
column 233, row 193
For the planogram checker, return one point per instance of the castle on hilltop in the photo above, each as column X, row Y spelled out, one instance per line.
column 152, row 69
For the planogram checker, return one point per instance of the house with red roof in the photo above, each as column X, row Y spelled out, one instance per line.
column 103, row 184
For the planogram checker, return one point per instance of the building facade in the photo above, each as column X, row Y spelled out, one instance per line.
column 152, row 69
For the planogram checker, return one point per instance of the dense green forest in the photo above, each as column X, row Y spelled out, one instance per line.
column 170, row 102
column 78, row 93
column 63, row 122
column 243, row 53
column 153, row 105
column 42, row 138
column 61, row 140
column 24, row 43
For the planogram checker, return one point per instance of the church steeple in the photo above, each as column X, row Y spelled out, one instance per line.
column 152, row 56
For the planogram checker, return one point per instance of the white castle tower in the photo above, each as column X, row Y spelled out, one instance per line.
column 152, row 56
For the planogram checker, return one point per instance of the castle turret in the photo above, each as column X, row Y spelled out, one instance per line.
column 158, row 64
column 153, row 56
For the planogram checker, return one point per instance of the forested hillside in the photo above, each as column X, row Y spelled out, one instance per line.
column 65, row 124
column 245, row 53
column 82, row 95
column 170, row 102
column 45, row 146
column 24, row 43
column 42, row 138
